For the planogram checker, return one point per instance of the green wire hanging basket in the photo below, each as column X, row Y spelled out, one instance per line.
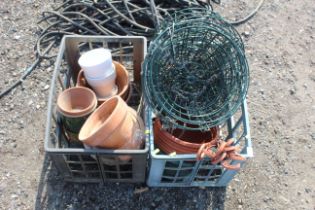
column 195, row 74
column 195, row 15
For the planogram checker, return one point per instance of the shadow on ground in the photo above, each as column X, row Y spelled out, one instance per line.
column 54, row 193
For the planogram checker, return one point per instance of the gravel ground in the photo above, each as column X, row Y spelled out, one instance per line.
column 279, row 44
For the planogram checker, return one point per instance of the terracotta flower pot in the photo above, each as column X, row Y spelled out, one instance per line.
column 75, row 105
column 112, row 125
column 135, row 143
column 181, row 141
column 122, row 82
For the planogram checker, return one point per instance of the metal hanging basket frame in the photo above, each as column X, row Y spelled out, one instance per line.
column 196, row 74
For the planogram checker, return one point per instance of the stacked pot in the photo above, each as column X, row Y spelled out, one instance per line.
column 181, row 141
column 105, row 76
column 95, row 112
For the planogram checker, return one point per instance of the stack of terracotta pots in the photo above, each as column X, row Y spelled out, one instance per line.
column 181, row 141
column 103, row 83
column 204, row 144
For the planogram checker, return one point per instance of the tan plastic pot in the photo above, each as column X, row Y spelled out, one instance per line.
column 112, row 125
column 181, row 141
column 75, row 105
column 97, row 63
column 122, row 82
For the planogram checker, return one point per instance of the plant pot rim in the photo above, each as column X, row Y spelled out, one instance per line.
column 89, row 53
column 104, row 77
column 79, row 112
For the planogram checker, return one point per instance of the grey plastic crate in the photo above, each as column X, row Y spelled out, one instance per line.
column 94, row 165
column 183, row 170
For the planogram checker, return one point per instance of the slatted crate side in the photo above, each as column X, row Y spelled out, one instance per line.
column 183, row 170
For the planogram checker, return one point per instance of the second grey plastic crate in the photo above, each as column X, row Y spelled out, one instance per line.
column 183, row 170
column 94, row 165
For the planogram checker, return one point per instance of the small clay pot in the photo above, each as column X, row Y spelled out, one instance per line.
column 122, row 82
column 75, row 105
column 182, row 141
column 112, row 125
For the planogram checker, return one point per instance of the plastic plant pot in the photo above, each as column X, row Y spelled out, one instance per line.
column 182, row 141
column 97, row 63
column 103, row 87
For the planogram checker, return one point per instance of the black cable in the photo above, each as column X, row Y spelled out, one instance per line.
column 105, row 17
column 84, row 17
column 249, row 16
